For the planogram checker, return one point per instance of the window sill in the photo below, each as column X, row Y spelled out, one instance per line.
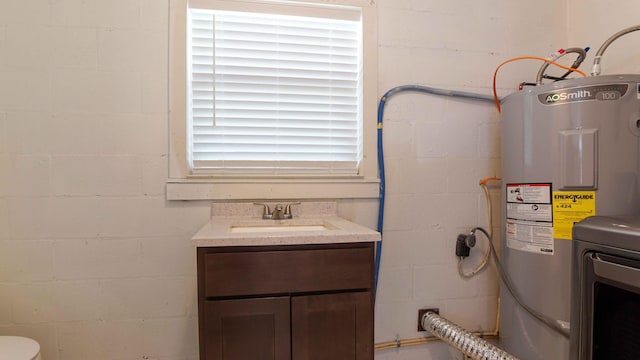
column 247, row 189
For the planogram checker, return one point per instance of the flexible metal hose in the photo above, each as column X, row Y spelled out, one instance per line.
column 471, row 345
column 605, row 45
column 582, row 54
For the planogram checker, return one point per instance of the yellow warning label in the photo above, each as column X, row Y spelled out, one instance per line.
column 570, row 207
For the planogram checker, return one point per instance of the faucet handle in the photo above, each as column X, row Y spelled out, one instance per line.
column 287, row 210
column 266, row 212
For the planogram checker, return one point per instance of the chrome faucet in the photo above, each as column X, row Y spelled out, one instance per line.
column 279, row 212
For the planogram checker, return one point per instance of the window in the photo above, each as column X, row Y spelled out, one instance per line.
column 274, row 92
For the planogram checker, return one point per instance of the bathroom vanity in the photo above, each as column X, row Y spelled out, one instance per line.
column 292, row 289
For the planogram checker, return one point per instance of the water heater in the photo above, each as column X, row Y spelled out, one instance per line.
column 570, row 150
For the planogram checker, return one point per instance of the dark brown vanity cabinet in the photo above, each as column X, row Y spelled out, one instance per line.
column 294, row 302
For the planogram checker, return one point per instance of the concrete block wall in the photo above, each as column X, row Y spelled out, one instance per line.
column 593, row 22
column 96, row 264
column 439, row 148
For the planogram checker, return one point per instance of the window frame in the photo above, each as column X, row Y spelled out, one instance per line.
column 182, row 185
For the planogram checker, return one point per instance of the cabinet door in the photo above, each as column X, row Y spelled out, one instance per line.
column 332, row 326
column 256, row 329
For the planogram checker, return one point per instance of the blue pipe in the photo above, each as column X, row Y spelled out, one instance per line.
column 383, row 100
column 381, row 194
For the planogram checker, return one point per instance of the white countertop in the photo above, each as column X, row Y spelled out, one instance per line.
column 219, row 230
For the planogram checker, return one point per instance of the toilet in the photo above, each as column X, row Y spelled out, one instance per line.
column 19, row 348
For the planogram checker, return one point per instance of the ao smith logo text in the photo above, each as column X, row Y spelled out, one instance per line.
column 573, row 197
column 577, row 95
column 584, row 93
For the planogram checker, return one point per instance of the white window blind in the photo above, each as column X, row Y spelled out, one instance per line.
column 274, row 94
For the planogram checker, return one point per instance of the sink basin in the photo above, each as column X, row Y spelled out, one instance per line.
column 276, row 228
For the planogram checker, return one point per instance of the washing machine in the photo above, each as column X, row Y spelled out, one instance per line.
column 605, row 291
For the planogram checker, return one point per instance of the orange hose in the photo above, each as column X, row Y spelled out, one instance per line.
column 495, row 74
column 486, row 180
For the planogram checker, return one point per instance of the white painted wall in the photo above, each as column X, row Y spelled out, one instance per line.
column 592, row 22
column 438, row 150
column 95, row 264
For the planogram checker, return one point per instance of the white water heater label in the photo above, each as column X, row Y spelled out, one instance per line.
column 529, row 223
column 530, row 212
column 531, row 237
